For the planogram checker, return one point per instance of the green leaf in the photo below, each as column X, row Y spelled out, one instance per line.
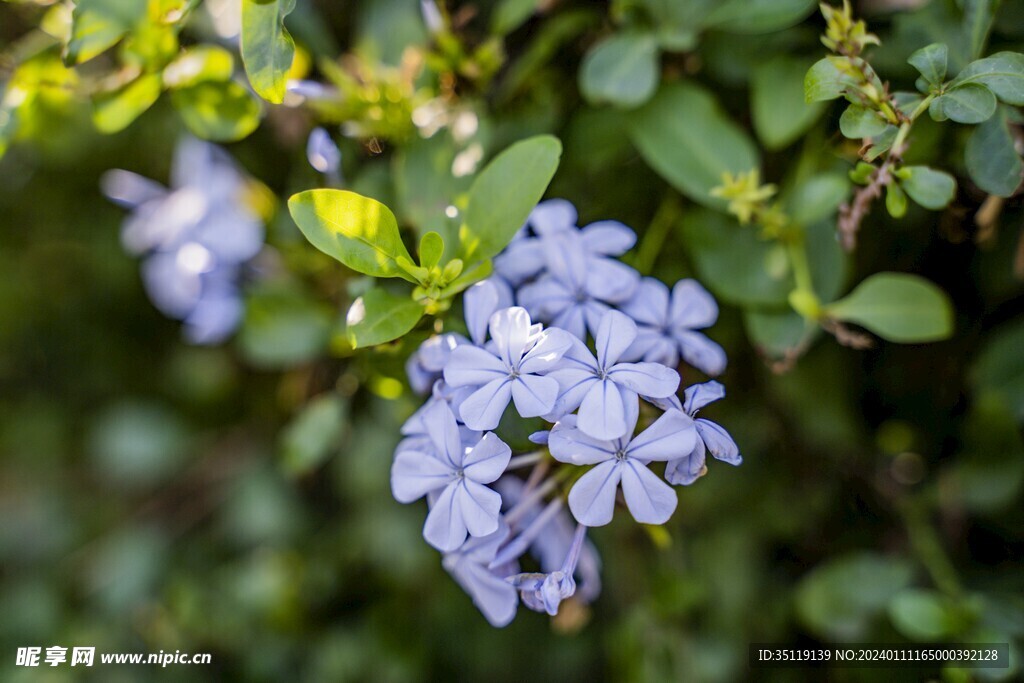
column 859, row 122
column 684, row 135
column 930, row 188
column 758, row 16
column 899, row 307
column 112, row 112
column 837, row 600
column 360, row 232
column 1002, row 73
column 504, row 193
column 968, row 103
column 511, row 14
column 310, row 437
column 777, row 333
column 931, row 61
column 826, row 82
column 881, row 144
column 999, row 368
column 267, row 48
column 733, row 262
column 622, row 70
column 988, row 471
column 817, row 198
column 777, row 102
column 992, row 161
column 379, row 316
column 96, row 25
column 978, row 18
column 199, row 64
column 895, row 201
column 431, row 250
column 922, row 615
column 283, row 328
column 223, row 112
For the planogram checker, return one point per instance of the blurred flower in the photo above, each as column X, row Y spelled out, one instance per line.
column 323, row 154
column 649, row 499
column 458, row 475
column 711, row 437
column 195, row 237
column 666, row 325
column 602, row 387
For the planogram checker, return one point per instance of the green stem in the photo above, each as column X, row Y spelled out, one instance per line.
column 654, row 237
column 928, row 547
column 904, row 131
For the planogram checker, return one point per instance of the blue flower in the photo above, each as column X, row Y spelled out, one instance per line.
column 649, row 499
column 667, row 325
column 577, row 289
column 512, row 367
column 526, row 256
column 711, row 437
column 323, row 154
column 601, row 387
column 195, row 237
column 469, row 566
column 457, row 475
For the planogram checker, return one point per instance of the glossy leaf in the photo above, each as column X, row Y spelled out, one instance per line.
column 930, row 188
column 898, row 307
column 931, row 62
column 622, row 70
column 267, row 47
column 824, row 81
column 431, row 250
column 198, row 64
column 504, row 193
column 223, row 112
column 360, row 232
column 380, row 316
column 685, row 136
column 859, row 122
column 1002, row 73
column 992, row 161
column 895, row 201
column 968, row 103
column 96, row 25
column 112, row 112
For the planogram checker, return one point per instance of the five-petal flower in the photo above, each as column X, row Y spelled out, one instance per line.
column 602, row 387
column 510, row 367
column 667, row 325
column 624, row 460
column 457, row 475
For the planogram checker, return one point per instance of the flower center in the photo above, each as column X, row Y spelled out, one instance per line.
column 621, row 455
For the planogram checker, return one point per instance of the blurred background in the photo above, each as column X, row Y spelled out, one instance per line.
column 234, row 498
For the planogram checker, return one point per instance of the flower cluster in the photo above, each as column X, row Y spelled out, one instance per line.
column 195, row 237
column 613, row 405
